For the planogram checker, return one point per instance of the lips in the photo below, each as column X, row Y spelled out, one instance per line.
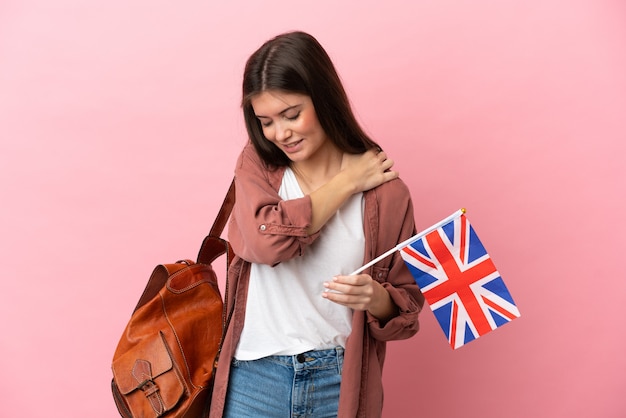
column 293, row 146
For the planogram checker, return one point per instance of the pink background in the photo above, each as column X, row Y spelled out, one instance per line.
column 120, row 125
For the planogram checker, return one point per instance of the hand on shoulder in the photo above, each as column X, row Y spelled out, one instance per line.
column 368, row 170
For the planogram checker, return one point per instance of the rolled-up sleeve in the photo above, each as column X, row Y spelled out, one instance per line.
column 409, row 300
column 396, row 224
column 264, row 228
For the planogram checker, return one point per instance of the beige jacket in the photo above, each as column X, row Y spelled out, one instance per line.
column 265, row 229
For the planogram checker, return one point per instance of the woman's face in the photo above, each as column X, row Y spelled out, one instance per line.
column 290, row 122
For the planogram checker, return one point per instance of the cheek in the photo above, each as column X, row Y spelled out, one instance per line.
column 310, row 125
column 268, row 132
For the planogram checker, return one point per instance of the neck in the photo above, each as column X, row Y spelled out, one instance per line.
column 315, row 172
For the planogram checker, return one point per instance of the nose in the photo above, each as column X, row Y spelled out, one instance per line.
column 282, row 132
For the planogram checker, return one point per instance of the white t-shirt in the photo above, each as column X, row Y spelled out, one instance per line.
column 285, row 311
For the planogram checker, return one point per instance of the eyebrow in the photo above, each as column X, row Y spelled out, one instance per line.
column 281, row 112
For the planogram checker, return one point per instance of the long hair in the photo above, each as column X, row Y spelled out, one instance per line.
column 295, row 62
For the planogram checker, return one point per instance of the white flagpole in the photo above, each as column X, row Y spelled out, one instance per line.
column 410, row 240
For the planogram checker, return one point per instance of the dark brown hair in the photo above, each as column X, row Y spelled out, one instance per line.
column 295, row 62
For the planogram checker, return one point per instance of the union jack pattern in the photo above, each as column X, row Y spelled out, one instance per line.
column 459, row 281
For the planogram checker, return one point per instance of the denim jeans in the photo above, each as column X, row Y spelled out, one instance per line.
column 303, row 385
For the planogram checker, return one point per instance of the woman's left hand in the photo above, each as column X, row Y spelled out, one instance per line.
column 362, row 293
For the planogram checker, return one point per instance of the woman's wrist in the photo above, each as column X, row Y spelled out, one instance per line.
column 383, row 307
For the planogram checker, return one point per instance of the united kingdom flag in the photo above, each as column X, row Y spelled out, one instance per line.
column 459, row 281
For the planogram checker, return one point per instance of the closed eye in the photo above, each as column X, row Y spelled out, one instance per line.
column 267, row 122
column 294, row 117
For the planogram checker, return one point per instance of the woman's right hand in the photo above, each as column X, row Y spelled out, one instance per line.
column 358, row 173
column 368, row 170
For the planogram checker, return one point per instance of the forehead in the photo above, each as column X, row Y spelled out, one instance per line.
column 270, row 102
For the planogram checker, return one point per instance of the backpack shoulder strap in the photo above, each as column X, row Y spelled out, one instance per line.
column 213, row 246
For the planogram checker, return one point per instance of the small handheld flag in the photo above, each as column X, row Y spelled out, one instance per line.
column 458, row 279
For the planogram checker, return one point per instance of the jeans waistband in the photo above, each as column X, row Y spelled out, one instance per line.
column 332, row 357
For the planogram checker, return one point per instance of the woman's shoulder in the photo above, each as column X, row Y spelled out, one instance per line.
column 248, row 155
column 395, row 188
column 250, row 164
column 249, row 160
column 390, row 197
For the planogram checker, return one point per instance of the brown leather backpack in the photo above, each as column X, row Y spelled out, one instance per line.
column 165, row 360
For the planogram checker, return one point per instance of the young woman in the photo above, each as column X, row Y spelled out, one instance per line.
column 316, row 199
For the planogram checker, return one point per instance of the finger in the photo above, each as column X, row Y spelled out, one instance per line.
column 387, row 164
column 349, row 301
column 351, row 279
column 360, row 287
column 341, row 298
column 342, row 288
column 336, row 286
column 391, row 174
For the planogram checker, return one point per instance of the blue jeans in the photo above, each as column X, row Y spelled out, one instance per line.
column 304, row 385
